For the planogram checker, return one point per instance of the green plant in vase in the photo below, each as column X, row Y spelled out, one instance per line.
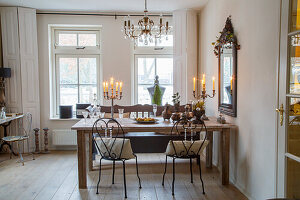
column 157, row 96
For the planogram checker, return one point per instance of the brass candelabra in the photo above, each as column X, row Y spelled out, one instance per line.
column 115, row 94
column 203, row 95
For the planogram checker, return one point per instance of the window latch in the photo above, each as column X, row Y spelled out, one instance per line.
column 80, row 47
column 158, row 48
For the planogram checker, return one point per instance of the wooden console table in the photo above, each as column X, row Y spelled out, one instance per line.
column 84, row 142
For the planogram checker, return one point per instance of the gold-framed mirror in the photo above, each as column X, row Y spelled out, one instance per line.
column 225, row 48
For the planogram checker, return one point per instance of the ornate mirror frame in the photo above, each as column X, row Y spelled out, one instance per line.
column 227, row 41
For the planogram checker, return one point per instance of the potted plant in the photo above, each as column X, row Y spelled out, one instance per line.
column 176, row 101
column 176, row 115
column 198, row 111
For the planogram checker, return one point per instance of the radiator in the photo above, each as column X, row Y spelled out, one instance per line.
column 64, row 137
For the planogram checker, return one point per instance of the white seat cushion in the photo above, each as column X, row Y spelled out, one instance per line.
column 127, row 152
column 181, row 149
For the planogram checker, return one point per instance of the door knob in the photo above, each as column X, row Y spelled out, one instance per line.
column 280, row 111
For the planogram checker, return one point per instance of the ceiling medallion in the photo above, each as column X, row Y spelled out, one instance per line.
column 145, row 31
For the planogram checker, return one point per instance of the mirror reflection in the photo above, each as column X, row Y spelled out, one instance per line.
column 226, row 75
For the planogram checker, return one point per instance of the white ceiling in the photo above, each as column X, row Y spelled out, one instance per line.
column 106, row 5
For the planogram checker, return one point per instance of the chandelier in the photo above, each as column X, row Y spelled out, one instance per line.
column 145, row 31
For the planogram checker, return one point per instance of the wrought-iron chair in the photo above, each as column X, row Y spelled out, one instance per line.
column 189, row 148
column 21, row 138
column 113, row 147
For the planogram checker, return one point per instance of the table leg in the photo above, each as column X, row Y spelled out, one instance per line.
column 209, row 149
column 81, row 154
column 90, row 153
column 225, row 145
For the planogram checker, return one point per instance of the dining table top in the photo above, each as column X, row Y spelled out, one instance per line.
column 161, row 125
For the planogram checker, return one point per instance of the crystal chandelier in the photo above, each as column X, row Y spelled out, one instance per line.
column 145, row 31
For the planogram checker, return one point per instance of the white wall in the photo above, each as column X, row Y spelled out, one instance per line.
column 252, row 150
column 116, row 59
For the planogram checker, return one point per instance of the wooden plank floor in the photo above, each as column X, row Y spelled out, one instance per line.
column 54, row 176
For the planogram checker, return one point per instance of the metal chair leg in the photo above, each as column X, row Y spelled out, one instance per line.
column 113, row 175
column 191, row 169
column 29, row 149
column 137, row 171
column 163, row 181
column 201, row 178
column 173, row 176
column 99, row 176
column 21, row 157
column 124, row 176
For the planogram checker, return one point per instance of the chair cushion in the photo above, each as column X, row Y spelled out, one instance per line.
column 181, row 147
column 116, row 146
column 15, row 138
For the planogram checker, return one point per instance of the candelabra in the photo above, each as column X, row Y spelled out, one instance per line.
column 116, row 94
column 203, row 95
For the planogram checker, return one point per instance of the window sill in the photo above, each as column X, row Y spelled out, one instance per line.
column 56, row 118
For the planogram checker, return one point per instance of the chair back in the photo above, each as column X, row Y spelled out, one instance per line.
column 110, row 135
column 140, row 110
column 192, row 144
column 26, row 124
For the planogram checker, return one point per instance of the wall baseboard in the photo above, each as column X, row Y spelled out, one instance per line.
column 241, row 188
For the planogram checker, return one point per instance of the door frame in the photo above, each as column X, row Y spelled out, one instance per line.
column 283, row 83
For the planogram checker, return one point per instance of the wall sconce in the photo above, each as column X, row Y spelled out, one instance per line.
column 4, row 73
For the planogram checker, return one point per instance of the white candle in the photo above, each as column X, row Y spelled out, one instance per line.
column 213, row 79
column 194, row 82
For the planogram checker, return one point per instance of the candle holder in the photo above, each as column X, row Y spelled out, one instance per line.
column 204, row 96
column 115, row 94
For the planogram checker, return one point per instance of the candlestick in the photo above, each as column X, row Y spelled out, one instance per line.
column 117, row 86
column 194, row 82
column 104, row 86
column 203, row 95
column 115, row 94
column 121, row 85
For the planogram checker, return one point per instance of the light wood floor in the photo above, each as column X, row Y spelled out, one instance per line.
column 54, row 176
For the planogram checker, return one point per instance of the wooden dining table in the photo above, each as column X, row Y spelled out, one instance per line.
column 84, row 142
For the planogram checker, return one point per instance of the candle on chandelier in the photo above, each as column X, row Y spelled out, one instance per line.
column 194, row 83
column 231, row 83
column 121, row 86
column 213, row 80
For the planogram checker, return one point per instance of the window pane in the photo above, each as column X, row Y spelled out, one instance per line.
column 168, row 94
column 86, row 93
column 87, row 40
column 295, row 15
column 165, row 41
column 143, row 94
column 68, row 70
column 87, row 70
column 295, row 64
column 67, row 39
column 165, row 70
column 146, row 70
column 293, row 130
column 68, row 95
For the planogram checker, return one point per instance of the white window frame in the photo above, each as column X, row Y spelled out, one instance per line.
column 144, row 52
column 69, row 51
